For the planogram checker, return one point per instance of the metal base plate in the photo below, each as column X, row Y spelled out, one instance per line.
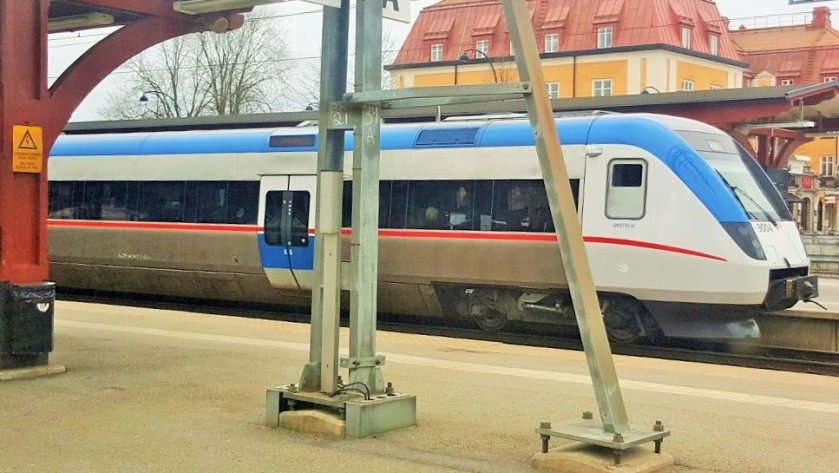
column 361, row 417
column 591, row 431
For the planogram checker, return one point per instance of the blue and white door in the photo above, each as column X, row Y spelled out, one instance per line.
column 286, row 238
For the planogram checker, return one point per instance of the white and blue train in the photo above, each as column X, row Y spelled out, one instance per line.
column 686, row 235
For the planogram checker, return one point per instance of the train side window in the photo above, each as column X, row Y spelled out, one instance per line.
column 484, row 191
column 441, row 205
column 627, row 189
column 212, row 202
column 107, row 200
column 398, row 204
column 522, row 206
column 242, row 201
column 384, row 204
column 61, row 199
column 162, row 201
column 287, row 218
column 346, row 205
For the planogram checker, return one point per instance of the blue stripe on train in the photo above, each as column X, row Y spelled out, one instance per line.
column 275, row 257
column 642, row 131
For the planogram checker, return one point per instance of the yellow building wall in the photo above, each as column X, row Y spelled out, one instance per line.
column 563, row 74
column 821, row 146
column 506, row 72
column 588, row 72
column 703, row 77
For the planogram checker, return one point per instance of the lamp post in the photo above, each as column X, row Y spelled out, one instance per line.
column 649, row 89
column 464, row 58
column 161, row 97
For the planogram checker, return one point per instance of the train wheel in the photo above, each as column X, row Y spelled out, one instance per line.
column 491, row 320
column 622, row 318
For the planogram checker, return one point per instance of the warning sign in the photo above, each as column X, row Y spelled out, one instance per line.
column 27, row 148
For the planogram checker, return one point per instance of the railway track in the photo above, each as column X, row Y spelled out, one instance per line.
column 741, row 353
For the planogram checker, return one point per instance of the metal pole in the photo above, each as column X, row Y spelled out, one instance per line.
column 321, row 373
column 568, row 231
column 363, row 367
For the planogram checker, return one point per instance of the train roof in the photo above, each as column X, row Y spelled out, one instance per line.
column 631, row 129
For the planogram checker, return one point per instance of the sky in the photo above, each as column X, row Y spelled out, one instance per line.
column 301, row 19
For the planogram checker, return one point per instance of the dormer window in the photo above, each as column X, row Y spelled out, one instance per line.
column 436, row 52
column 551, row 43
column 483, row 46
column 714, row 44
column 604, row 37
column 685, row 37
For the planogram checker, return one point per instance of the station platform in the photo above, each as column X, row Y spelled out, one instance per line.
column 155, row 390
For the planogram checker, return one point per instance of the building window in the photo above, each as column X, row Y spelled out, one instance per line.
column 787, row 81
column 714, row 44
column 482, row 46
column 553, row 90
column 687, row 85
column 604, row 37
column 686, row 37
column 715, row 87
column 830, row 79
column 512, row 49
column 828, row 163
column 436, row 52
column 551, row 43
column 601, row 87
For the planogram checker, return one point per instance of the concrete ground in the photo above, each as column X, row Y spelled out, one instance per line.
column 166, row 391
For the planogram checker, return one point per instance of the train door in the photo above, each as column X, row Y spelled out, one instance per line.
column 615, row 195
column 286, row 239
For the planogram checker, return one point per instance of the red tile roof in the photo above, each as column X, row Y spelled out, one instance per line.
column 636, row 22
column 803, row 53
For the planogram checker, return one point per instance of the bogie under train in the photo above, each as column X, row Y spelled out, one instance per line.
column 686, row 235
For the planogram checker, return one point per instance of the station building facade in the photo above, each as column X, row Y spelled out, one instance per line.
column 803, row 51
column 587, row 48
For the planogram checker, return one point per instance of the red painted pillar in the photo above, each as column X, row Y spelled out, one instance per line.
column 31, row 118
column 23, row 93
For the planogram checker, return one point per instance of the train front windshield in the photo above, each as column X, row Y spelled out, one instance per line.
column 742, row 174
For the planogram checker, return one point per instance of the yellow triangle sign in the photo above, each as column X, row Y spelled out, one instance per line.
column 27, row 142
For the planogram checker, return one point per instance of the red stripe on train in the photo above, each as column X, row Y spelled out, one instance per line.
column 386, row 232
column 218, row 227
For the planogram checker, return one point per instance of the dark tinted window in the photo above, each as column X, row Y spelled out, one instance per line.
column 287, row 218
column 384, row 204
column 627, row 175
column 441, row 205
column 61, row 200
column 162, row 201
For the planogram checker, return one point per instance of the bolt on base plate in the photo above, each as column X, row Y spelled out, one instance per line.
column 591, row 431
column 361, row 417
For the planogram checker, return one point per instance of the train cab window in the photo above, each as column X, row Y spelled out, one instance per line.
column 627, row 189
column 287, row 218
column 441, row 205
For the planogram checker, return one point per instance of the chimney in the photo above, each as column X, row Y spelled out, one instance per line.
column 821, row 17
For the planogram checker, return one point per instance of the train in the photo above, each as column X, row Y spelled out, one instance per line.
column 686, row 235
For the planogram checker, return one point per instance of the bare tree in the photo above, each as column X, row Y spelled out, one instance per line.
column 307, row 92
column 241, row 71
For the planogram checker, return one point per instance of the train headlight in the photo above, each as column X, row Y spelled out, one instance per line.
column 744, row 235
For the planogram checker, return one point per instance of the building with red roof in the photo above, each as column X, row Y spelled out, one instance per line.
column 587, row 47
column 790, row 55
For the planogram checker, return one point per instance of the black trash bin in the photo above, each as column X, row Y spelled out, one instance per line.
column 26, row 324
